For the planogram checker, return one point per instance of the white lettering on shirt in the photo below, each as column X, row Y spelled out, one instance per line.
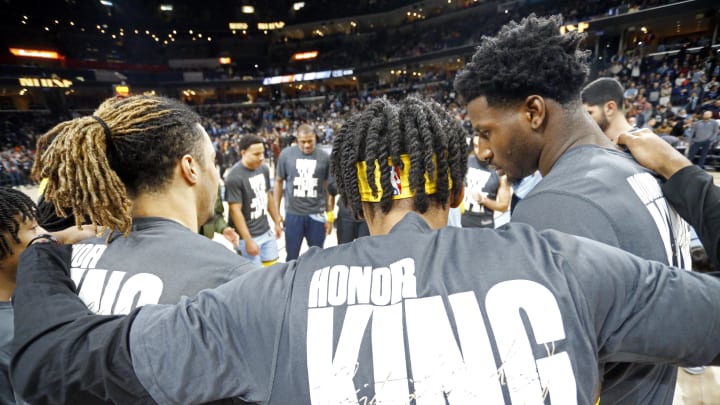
column 108, row 292
column 418, row 356
column 258, row 205
column 673, row 230
column 305, row 185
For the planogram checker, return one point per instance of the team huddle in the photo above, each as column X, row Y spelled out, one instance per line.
column 583, row 297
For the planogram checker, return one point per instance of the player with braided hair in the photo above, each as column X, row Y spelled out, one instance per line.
column 418, row 312
column 18, row 228
column 412, row 135
column 523, row 90
column 143, row 167
column 15, row 209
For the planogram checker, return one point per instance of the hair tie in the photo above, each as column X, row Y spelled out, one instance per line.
column 108, row 134
column 106, row 128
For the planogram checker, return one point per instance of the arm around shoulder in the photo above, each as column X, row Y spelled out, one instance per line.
column 65, row 353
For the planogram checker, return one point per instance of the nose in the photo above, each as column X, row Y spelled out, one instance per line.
column 483, row 151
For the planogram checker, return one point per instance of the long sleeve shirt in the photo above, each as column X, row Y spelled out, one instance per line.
column 692, row 192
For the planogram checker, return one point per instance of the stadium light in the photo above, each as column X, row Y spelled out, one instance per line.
column 166, row 7
column 106, row 3
column 248, row 9
column 298, row 5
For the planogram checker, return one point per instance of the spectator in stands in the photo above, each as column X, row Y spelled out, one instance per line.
column 654, row 93
column 665, row 92
column 712, row 83
column 631, row 92
column 701, row 138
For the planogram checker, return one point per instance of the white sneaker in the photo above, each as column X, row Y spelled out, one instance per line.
column 694, row 370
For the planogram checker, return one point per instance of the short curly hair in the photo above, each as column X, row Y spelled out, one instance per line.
column 420, row 129
column 530, row 57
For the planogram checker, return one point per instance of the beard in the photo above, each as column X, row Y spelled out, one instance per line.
column 604, row 123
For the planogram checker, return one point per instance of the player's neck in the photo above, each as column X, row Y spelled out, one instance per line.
column 380, row 223
column 568, row 132
column 617, row 127
column 167, row 204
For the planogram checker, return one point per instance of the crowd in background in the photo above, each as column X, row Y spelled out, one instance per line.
column 665, row 94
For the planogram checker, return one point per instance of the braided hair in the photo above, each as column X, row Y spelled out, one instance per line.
column 96, row 164
column 13, row 203
column 420, row 129
column 529, row 57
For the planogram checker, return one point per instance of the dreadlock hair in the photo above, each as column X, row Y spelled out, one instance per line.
column 603, row 90
column 97, row 169
column 248, row 140
column 420, row 129
column 12, row 203
column 530, row 57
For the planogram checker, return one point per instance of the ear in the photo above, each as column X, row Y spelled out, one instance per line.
column 457, row 198
column 535, row 110
column 189, row 170
column 610, row 108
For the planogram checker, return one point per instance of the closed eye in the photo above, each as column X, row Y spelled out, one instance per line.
column 483, row 133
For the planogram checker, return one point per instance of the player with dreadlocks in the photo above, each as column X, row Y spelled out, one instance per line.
column 417, row 312
column 523, row 88
column 142, row 166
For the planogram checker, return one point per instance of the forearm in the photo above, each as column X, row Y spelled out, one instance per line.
column 239, row 222
column 273, row 209
column 493, row 205
column 329, row 198
column 277, row 194
column 64, row 353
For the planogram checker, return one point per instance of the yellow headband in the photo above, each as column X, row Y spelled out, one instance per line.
column 400, row 180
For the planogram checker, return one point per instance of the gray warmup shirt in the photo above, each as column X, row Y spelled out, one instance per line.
column 159, row 262
column 305, row 177
column 250, row 188
column 605, row 195
column 7, row 395
column 530, row 316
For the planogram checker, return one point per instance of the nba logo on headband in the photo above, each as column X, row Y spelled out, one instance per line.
column 396, row 182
